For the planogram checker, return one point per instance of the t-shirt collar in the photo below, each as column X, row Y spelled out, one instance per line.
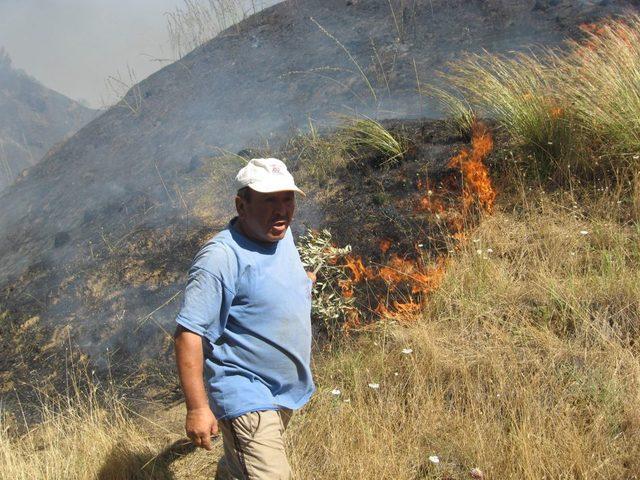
column 245, row 242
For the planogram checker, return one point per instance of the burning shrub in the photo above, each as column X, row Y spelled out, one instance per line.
column 333, row 301
column 347, row 292
column 354, row 291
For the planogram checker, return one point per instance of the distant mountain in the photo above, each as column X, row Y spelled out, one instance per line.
column 33, row 118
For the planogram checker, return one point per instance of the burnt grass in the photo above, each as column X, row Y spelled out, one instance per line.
column 372, row 199
column 113, row 314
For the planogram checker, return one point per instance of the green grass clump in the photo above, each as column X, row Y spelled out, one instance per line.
column 319, row 157
column 367, row 134
column 575, row 110
column 602, row 80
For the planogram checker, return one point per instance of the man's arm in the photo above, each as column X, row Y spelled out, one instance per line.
column 200, row 423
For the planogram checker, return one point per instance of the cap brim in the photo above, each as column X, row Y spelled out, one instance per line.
column 270, row 187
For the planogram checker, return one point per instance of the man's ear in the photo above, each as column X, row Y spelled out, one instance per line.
column 240, row 206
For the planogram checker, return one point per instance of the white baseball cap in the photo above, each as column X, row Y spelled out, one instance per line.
column 266, row 175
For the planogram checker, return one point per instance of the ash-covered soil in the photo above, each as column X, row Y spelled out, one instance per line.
column 95, row 241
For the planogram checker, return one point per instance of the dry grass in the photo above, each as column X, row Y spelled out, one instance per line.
column 525, row 365
column 198, row 21
column 83, row 434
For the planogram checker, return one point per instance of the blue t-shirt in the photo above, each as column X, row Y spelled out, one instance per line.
column 251, row 303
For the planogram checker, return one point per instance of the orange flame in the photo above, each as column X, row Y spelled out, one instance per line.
column 400, row 311
column 430, row 201
column 592, row 28
column 404, row 276
column 357, row 268
column 556, row 112
column 399, row 270
column 605, row 31
column 477, row 183
column 346, row 286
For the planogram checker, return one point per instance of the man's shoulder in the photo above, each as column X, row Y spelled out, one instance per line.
column 216, row 256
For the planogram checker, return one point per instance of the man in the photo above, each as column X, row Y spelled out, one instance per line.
column 245, row 324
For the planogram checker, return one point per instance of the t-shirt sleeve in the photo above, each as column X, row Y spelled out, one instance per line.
column 209, row 292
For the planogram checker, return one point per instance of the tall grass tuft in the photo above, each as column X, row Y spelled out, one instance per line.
column 602, row 79
column 577, row 108
column 198, row 21
column 369, row 135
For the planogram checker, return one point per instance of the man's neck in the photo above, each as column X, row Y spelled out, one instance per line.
column 242, row 228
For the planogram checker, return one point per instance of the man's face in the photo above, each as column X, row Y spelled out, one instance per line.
column 266, row 216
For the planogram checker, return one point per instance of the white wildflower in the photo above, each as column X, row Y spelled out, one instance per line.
column 584, row 232
column 375, row 386
column 407, row 351
column 434, row 459
column 335, row 392
column 476, row 474
column 489, row 250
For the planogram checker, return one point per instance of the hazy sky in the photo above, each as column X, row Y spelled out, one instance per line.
column 72, row 46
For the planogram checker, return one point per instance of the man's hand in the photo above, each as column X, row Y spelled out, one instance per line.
column 200, row 425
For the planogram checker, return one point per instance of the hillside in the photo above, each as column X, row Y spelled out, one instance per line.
column 522, row 363
column 477, row 306
column 33, row 119
column 95, row 241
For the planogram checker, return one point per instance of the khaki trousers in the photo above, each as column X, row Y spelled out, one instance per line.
column 254, row 447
